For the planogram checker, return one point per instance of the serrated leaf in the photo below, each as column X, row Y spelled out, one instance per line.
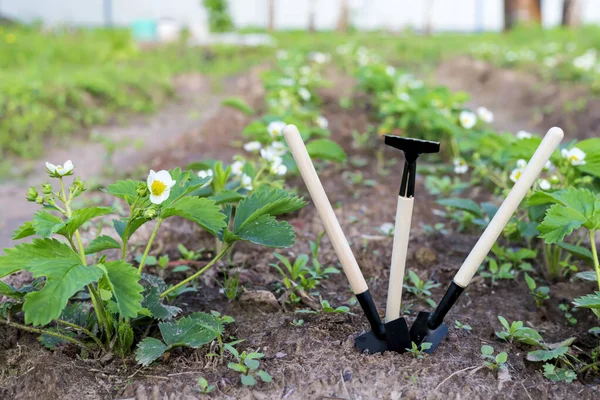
column 124, row 189
column 559, row 222
column 268, row 232
column 591, row 147
column 189, row 331
column 588, row 301
column 23, row 231
column 122, row 280
column 555, row 374
column 149, row 350
column 81, row 216
column 267, row 202
column 545, row 355
column 45, row 224
column 202, row 211
column 226, row 196
column 63, row 271
column 154, row 304
column 102, row 243
column 462, row 204
column 120, row 226
column 185, row 183
column 326, row 150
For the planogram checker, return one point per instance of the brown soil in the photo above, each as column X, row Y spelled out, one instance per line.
column 318, row 360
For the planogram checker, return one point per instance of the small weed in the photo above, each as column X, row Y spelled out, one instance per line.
column 460, row 325
column 248, row 364
column 204, row 387
column 540, row 294
column 566, row 309
column 491, row 361
column 418, row 352
column 420, row 288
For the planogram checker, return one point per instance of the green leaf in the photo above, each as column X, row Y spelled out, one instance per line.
column 237, row 367
column 462, row 204
column 226, row 196
column 268, row 232
column 326, row 150
column 202, row 211
column 122, row 280
column 267, row 202
column 46, row 224
column 153, row 303
column 545, row 355
column 530, row 282
column 248, row 380
column 588, row 301
column 587, row 276
column 577, row 251
column 501, row 358
column 559, row 374
column 239, row 104
column 591, row 147
column 149, row 350
column 63, row 271
column 121, row 224
column 264, row 375
column 487, row 350
column 24, row 231
column 52, row 342
column 186, row 183
column 9, row 291
column 126, row 190
column 102, row 243
column 559, row 222
column 252, row 364
column 80, row 217
column 189, row 331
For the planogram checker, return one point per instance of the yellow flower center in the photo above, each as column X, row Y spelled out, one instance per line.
column 518, row 175
column 574, row 158
column 157, row 188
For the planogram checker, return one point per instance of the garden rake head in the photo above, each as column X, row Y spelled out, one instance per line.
column 430, row 327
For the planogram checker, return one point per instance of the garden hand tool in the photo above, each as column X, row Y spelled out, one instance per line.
column 430, row 327
column 412, row 148
column 377, row 340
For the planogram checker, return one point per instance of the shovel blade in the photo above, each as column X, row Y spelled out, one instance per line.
column 420, row 332
column 368, row 341
column 398, row 335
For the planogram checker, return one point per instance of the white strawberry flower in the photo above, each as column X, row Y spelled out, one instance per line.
column 322, row 122
column 516, row 174
column 246, row 182
column 278, row 148
column 548, row 166
column 277, row 167
column 576, row 156
column 387, row 229
column 56, row 171
column 521, row 163
column 523, row 135
column 304, row 94
column 460, row 166
column 236, row 167
column 252, row 147
column 275, row 128
column 485, row 115
column 268, row 153
column 159, row 185
column 544, row 184
column 207, row 173
column 467, row 119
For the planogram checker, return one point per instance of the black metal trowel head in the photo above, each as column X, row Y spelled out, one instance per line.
column 412, row 148
column 422, row 332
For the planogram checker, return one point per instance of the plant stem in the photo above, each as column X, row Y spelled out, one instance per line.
column 197, row 274
column 595, row 254
column 126, row 231
column 82, row 329
column 143, row 262
column 44, row 332
column 585, row 368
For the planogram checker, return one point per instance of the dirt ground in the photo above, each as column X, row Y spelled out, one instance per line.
column 318, row 360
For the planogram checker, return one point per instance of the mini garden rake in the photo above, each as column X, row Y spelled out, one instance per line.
column 379, row 338
column 430, row 327
column 412, row 149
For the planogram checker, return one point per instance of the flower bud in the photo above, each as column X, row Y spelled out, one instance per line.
column 32, row 194
column 142, row 189
column 47, row 188
column 150, row 213
column 40, row 200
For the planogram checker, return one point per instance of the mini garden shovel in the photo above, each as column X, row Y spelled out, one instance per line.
column 430, row 327
column 412, row 148
column 377, row 339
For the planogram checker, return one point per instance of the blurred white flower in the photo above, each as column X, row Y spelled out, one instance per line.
column 548, row 166
column 404, row 96
column 467, row 119
column 304, row 70
column 415, row 84
column 281, row 54
column 523, row 135
column 586, row 61
column 576, row 156
column 322, row 122
column 387, row 229
column 277, row 168
column 59, row 170
column 319, row 58
column 246, row 182
column 516, row 174
column 287, row 82
column 390, row 70
column 521, row 163
column 554, row 179
column 236, row 168
column 275, row 128
column 544, row 184
column 485, row 114
column 207, row 173
column 550, row 62
column 460, row 166
column 159, row 185
column 252, row 147
column 304, row 93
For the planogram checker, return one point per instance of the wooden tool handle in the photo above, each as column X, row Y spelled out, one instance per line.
column 506, row 210
column 332, row 225
column 399, row 250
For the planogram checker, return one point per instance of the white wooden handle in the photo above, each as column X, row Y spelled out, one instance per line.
column 399, row 252
column 332, row 225
column 506, row 210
